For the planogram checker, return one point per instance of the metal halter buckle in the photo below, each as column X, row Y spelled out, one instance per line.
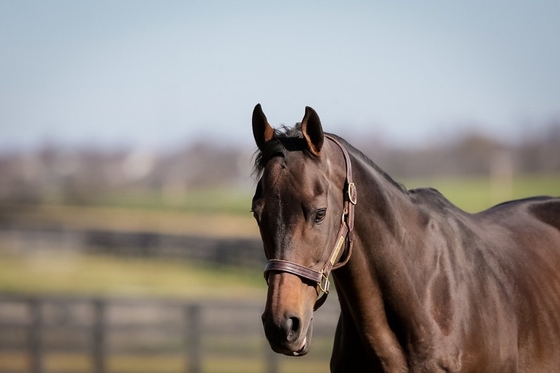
column 324, row 284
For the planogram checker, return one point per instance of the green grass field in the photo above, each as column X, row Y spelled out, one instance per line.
column 164, row 363
column 226, row 213
column 207, row 201
column 56, row 273
column 469, row 193
column 474, row 194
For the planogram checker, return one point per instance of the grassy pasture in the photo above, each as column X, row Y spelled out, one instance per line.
column 471, row 193
column 226, row 213
column 63, row 273
column 474, row 194
column 164, row 363
column 206, row 201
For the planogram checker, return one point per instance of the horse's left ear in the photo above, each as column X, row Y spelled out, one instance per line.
column 312, row 130
column 262, row 131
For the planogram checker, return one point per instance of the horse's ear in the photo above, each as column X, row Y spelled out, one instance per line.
column 312, row 131
column 262, row 131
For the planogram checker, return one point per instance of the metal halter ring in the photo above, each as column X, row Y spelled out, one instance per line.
column 352, row 194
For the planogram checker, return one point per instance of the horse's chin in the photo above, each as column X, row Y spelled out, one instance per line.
column 297, row 350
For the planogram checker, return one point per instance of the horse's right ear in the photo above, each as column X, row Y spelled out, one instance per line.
column 262, row 131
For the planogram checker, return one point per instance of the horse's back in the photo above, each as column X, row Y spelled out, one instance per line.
column 525, row 216
column 533, row 260
column 532, row 224
column 548, row 211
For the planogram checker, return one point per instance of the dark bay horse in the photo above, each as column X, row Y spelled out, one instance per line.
column 422, row 285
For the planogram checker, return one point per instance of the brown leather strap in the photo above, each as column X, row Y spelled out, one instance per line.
column 294, row 268
column 344, row 236
column 350, row 200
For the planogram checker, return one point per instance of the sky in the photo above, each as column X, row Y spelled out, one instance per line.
column 164, row 73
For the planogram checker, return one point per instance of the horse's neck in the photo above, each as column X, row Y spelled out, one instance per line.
column 380, row 280
column 386, row 206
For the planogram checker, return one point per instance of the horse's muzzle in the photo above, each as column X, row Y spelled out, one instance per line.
column 288, row 335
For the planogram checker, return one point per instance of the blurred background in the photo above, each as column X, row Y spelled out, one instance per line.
column 126, row 242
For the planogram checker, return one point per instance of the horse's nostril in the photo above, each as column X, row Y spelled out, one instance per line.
column 284, row 330
column 296, row 322
column 292, row 325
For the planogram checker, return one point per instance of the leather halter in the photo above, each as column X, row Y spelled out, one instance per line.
column 321, row 278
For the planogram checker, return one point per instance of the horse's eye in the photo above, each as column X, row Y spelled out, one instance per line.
column 320, row 215
column 254, row 214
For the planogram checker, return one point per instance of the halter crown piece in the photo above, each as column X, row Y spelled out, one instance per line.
column 321, row 278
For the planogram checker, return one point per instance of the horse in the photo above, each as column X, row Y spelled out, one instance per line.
column 422, row 285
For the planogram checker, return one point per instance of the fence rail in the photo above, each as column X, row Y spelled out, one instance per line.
column 240, row 252
column 101, row 329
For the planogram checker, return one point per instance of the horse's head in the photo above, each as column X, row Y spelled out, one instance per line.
column 298, row 206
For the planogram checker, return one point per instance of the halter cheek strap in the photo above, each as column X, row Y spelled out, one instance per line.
column 345, row 234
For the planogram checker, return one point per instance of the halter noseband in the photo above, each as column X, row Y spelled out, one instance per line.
column 321, row 278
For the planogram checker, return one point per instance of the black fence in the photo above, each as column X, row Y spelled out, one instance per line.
column 102, row 335
column 239, row 252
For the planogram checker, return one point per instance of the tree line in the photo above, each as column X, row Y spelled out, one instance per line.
column 78, row 175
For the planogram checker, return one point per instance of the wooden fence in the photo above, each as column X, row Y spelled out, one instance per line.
column 106, row 335
column 239, row 252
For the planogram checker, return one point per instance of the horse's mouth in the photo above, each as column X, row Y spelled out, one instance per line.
column 303, row 349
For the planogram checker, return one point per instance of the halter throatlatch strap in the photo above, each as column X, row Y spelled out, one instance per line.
column 344, row 235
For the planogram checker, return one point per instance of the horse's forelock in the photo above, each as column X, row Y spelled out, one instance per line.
column 285, row 139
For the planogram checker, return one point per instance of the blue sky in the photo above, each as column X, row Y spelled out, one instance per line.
column 159, row 74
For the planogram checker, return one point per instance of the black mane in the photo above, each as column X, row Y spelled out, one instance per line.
column 287, row 139
column 358, row 154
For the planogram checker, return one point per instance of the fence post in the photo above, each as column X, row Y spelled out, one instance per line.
column 271, row 360
column 36, row 336
column 98, row 345
column 193, row 337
